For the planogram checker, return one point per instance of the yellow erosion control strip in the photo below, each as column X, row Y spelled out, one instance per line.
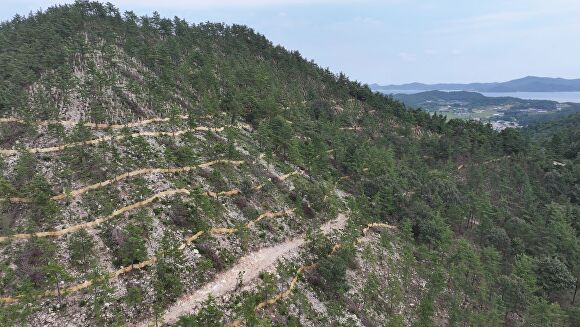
column 365, row 230
column 225, row 230
column 138, row 123
column 98, row 221
column 188, row 241
column 288, row 291
column 355, row 128
column 11, row 152
column 146, row 171
column 138, row 172
column 91, row 125
column 483, row 163
column 284, row 294
column 151, row 261
column 281, row 178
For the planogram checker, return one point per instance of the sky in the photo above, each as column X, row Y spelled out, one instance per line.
column 395, row 41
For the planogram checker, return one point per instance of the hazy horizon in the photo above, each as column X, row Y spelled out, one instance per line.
column 396, row 41
column 475, row 82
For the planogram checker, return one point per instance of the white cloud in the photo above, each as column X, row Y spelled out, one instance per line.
column 536, row 12
column 456, row 52
column 368, row 21
column 484, row 21
column 498, row 18
column 408, row 57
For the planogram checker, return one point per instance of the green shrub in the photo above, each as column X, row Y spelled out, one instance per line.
column 81, row 249
column 209, row 315
column 128, row 245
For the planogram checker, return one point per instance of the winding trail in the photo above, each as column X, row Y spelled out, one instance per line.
column 284, row 294
column 100, row 220
column 250, row 266
column 138, row 172
column 151, row 261
column 11, row 152
column 304, row 268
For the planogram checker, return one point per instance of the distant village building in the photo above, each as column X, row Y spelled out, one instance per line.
column 500, row 125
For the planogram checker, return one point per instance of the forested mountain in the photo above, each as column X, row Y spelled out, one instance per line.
column 421, row 98
column 155, row 171
column 524, row 84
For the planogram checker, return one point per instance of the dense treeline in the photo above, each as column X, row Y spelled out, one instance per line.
column 493, row 211
column 560, row 138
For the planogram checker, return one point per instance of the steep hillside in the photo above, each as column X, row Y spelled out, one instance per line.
column 157, row 172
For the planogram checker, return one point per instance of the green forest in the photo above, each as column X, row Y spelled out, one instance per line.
column 487, row 228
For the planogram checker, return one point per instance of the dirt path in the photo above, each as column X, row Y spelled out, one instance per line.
column 336, row 224
column 250, row 265
column 151, row 261
column 284, row 294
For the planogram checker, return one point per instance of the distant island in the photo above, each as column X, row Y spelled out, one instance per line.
column 500, row 111
column 526, row 84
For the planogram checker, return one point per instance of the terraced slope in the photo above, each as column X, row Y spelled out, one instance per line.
column 155, row 171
